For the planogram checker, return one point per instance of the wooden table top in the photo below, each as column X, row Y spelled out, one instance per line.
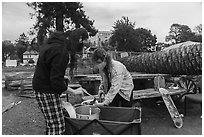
column 151, row 92
column 88, row 77
column 147, row 76
column 97, row 77
column 73, row 85
column 145, row 93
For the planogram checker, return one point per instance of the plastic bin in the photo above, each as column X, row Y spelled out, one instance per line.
column 112, row 121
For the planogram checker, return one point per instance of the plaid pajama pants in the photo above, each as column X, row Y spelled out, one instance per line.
column 50, row 105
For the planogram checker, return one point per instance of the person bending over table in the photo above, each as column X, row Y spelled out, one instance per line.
column 117, row 83
column 49, row 83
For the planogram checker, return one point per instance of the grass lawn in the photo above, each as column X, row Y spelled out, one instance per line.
column 83, row 68
column 18, row 69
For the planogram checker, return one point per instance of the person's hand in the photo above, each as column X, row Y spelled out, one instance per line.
column 100, row 92
column 101, row 95
column 98, row 104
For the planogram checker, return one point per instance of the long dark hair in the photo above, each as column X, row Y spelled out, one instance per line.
column 72, row 41
column 101, row 54
column 75, row 40
column 69, row 44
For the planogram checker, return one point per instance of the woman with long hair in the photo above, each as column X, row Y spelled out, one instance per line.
column 117, row 83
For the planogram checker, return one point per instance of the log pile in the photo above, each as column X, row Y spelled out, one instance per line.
column 14, row 81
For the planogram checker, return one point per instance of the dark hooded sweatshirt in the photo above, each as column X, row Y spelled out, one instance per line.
column 51, row 67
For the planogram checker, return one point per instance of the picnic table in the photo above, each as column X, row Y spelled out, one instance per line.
column 143, row 93
column 148, row 91
column 147, row 76
column 90, row 82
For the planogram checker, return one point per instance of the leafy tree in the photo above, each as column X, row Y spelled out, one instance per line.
column 126, row 38
column 173, row 34
column 198, row 29
column 179, row 33
column 197, row 33
column 61, row 16
column 160, row 45
column 105, row 44
column 34, row 45
column 21, row 46
column 123, row 35
column 145, row 39
column 197, row 38
column 76, row 38
column 8, row 49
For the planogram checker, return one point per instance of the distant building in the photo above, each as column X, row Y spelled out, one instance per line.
column 30, row 55
column 101, row 36
column 96, row 41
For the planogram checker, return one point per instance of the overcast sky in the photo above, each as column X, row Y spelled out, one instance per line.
column 155, row 16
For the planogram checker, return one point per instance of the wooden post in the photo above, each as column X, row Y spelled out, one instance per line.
column 159, row 82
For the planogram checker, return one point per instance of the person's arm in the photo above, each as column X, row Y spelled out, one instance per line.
column 77, row 91
column 58, row 67
column 70, row 90
column 101, row 86
column 116, row 83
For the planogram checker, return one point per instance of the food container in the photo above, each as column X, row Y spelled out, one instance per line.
column 87, row 102
column 87, row 112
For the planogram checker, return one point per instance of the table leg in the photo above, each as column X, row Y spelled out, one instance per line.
column 67, row 97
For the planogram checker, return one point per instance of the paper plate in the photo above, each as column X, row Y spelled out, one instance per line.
column 69, row 108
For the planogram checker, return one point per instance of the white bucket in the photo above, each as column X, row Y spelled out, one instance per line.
column 87, row 112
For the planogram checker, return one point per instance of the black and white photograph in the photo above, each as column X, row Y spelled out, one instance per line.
column 101, row 67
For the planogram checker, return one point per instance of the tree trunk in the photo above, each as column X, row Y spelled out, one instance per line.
column 59, row 22
column 41, row 37
column 183, row 60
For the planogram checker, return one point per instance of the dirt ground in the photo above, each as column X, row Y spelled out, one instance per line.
column 27, row 119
